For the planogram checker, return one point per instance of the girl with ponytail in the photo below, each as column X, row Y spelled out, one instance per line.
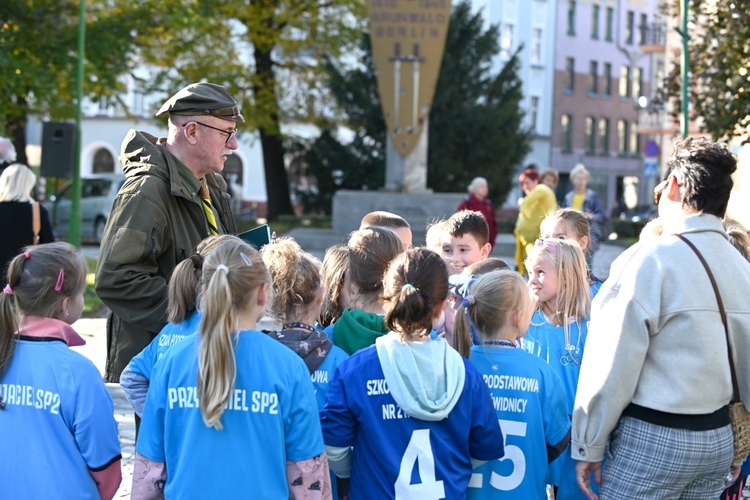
column 231, row 402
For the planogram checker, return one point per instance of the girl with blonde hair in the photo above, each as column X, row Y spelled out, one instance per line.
column 410, row 402
column 558, row 280
column 231, row 402
column 531, row 406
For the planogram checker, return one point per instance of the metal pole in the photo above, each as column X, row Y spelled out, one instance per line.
column 74, row 235
column 685, row 66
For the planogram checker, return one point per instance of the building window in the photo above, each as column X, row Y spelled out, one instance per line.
column 103, row 105
column 609, row 28
column 643, row 30
column 630, row 28
column 593, row 77
column 566, row 124
column 103, row 162
column 137, row 103
column 625, row 81
column 637, row 82
column 607, row 77
column 622, row 137
column 506, row 41
column 536, row 45
column 635, row 139
column 571, row 17
column 533, row 112
column 570, row 74
column 595, row 21
column 604, row 135
column 590, row 135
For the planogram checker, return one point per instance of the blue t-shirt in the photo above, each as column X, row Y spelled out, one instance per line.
column 530, row 403
column 323, row 376
column 393, row 452
column 271, row 417
column 548, row 342
column 143, row 363
column 58, row 423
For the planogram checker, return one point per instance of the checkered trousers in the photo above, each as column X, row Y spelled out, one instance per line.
column 649, row 461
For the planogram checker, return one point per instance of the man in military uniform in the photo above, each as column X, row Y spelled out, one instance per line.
column 173, row 198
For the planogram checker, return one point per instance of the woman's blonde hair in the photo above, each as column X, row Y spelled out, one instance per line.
column 414, row 285
column 16, row 183
column 295, row 275
column 493, row 300
column 573, row 291
column 335, row 266
column 232, row 275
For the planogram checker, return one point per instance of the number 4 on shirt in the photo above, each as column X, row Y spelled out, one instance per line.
column 419, row 449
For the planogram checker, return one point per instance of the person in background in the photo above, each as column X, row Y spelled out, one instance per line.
column 16, row 213
column 231, row 411
column 173, row 198
column 478, row 201
column 56, row 416
column 7, row 153
column 586, row 200
column 336, row 298
column 655, row 382
column 551, row 178
column 432, row 236
column 394, row 222
column 410, row 403
column 537, row 203
column 532, row 413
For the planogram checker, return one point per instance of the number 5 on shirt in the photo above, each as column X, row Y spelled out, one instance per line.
column 512, row 453
column 419, row 449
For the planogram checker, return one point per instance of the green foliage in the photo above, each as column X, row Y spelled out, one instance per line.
column 719, row 47
column 475, row 122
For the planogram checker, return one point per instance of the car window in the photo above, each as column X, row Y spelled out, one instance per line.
column 94, row 187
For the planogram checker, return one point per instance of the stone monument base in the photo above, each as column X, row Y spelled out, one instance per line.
column 419, row 210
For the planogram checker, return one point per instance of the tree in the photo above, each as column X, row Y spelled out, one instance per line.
column 719, row 47
column 38, row 57
column 266, row 52
column 475, row 123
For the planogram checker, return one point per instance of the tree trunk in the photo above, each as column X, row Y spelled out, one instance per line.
column 16, row 126
column 277, row 183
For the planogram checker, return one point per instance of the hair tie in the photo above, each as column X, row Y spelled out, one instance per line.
column 8, row 290
column 247, row 260
column 27, row 255
column 409, row 286
column 60, row 280
column 197, row 261
column 469, row 300
column 222, row 266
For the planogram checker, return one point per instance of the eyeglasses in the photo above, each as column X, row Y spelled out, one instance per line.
column 230, row 134
column 659, row 189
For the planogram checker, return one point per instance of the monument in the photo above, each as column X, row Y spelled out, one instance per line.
column 408, row 39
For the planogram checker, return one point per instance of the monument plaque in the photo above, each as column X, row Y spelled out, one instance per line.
column 408, row 39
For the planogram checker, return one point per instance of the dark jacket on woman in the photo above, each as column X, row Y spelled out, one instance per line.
column 17, row 230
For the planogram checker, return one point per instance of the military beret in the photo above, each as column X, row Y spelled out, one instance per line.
column 203, row 99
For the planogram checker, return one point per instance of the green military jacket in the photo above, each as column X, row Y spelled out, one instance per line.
column 156, row 221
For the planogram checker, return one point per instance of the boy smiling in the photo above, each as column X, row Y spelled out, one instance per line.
column 464, row 240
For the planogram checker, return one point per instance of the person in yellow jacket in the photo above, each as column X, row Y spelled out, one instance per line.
column 539, row 201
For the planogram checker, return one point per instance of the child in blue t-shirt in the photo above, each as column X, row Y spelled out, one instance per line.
column 415, row 412
column 528, row 395
column 231, row 402
column 59, row 434
column 183, row 317
column 568, row 223
column 558, row 279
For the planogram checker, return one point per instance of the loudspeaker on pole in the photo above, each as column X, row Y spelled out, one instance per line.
column 58, row 149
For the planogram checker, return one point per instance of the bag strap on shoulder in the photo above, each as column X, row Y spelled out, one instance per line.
column 36, row 221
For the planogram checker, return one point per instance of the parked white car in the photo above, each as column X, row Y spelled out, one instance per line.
column 98, row 192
